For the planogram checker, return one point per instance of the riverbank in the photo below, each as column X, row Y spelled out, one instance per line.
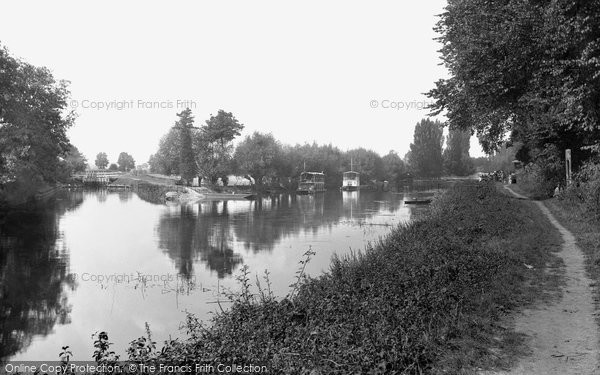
column 434, row 296
column 562, row 334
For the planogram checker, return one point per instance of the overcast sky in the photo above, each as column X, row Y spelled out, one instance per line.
column 343, row 72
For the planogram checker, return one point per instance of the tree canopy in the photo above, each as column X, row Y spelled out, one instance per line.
column 126, row 162
column 33, row 122
column 530, row 69
column 257, row 155
column 101, row 160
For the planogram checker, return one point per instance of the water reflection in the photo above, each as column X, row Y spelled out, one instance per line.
column 202, row 244
column 34, row 274
column 198, row 232
column 207, row 231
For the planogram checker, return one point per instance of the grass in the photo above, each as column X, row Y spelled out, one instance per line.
column 434, row 297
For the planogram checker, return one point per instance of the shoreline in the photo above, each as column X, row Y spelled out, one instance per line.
column 436, row 295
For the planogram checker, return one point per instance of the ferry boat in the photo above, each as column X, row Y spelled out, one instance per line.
column 351, row 179
column 311, row 182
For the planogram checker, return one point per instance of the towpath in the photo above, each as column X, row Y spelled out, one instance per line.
column 563, row 334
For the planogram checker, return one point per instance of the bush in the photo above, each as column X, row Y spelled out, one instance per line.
column 585, row 189
column 541, row 177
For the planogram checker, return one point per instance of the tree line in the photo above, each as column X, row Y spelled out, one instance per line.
column 208, row 152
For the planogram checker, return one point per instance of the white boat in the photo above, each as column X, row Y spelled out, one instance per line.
column 350, row 179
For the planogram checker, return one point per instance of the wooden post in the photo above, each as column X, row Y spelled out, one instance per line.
column 568, row 165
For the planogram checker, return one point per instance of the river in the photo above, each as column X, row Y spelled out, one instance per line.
column 90, row 261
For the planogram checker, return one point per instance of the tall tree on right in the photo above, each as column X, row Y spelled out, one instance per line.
column 457, row 161
column 426, row 149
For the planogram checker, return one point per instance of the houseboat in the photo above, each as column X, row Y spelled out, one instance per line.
column 350, row 181
column 311, row 182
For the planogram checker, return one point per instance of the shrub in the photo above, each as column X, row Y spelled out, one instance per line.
column 585, row 189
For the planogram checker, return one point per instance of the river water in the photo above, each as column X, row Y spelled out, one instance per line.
column 90, row 261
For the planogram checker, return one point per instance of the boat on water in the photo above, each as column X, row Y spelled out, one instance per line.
column 228, row 196
column 311, row 182
column 350, row 179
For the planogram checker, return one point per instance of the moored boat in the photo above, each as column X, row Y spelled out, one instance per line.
column 311, row 182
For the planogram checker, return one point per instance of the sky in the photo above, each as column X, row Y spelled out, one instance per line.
column 348, row 73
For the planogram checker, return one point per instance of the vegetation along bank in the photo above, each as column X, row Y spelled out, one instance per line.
column 432, row 297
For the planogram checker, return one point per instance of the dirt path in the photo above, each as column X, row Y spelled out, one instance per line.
column 563, row 335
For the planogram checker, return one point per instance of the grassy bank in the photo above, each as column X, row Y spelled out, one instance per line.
column 432, row 297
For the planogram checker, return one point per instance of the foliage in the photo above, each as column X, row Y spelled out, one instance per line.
column 73, row 162
column 187, row 162
column 166, row 159
column 529, row 68
column 101, row 160
column 584, row 191
column 457, row 161
column 126, row 162
column 366, row 162
column 393, row 167
column 113, row 167
column 257, row 155
column 426, row 149
column 542, row 176
column 33, row 122
column 214, row 145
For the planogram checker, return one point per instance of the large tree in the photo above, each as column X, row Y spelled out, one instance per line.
column 101, row 160
column 258, row 156
column 126, row 162
column 528, row 68
column 214, row 145
column 426, row 149
column 33, row 123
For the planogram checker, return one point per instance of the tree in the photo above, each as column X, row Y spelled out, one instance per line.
column 426, row 149
column 393, row 167
column 214, row 145
column 101, row 160
column 167, row 159
column 126, row 162
column 257, row 155
column 187, row 162
column 33, row 123
column 457, row 161
column 367, row 162
column 113, row 167
column 527, row 68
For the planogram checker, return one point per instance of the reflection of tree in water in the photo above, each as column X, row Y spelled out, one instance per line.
column 187, row 235
column 33, row 273
column 206, row 231
column 272, row 218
